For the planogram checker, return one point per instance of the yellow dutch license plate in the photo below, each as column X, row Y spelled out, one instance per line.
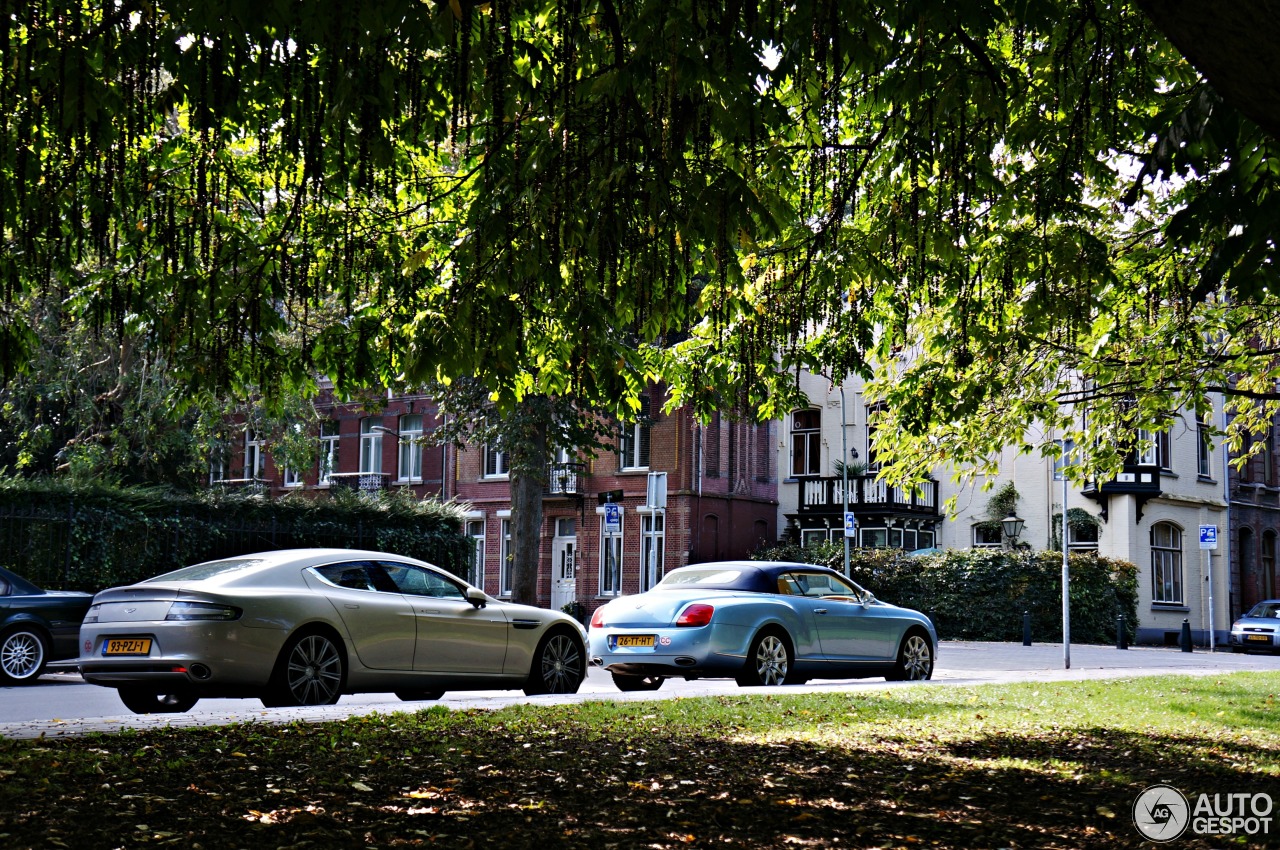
column 635, row 640
column 1263, row 638
column 127, row 646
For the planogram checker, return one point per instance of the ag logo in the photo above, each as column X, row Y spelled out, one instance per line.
column 1161, row 813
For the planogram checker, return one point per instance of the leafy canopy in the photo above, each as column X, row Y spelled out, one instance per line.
column 1042, row 201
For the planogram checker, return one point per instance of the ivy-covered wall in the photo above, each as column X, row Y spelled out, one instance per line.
column 981, row 594
column 78, row 538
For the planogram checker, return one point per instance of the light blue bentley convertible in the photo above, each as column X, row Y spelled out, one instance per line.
column 759, row 623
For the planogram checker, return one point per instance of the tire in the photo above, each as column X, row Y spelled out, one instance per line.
column 628, row 683
column 24, row 652
column 144, row 701
column 915, row 659
column 559, row 665
column 419, row 696
column 768, row 662
column 311, row 670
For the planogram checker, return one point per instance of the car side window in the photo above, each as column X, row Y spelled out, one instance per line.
column 416, row 581
column 4, row 587
column 824, row 585
column 352, row 575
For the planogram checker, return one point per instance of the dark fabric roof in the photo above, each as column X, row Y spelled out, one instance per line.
column 755, row 576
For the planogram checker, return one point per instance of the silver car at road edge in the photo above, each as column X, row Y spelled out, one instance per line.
column 304, row 626
column 761, row 624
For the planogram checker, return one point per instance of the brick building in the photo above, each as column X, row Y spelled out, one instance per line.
column 1254, row 496
column 668, row 492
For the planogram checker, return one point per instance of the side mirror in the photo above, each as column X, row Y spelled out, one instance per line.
column 477, row 597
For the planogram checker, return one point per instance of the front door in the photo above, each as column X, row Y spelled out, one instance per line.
column 564, row 568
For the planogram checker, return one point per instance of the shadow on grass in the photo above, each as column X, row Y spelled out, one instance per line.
column 327, row 786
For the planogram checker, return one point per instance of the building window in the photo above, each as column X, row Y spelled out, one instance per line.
column 1204, row 449
column 495, row 462
column 633, row 448
column 475, row 564
column 764, row 452
column 1153, row 449
column 652, row 550
column 711, row 454
column 1269, row 565
column 292, row 477
column 873, row 538
column 371, row 445
column 813, row 536
column 610, row 561
column 988, row 535
column 219, row 462
column 328, row 451
column 255, row 458
column 806, row 442
column 1068, row 450
column 411, row 448
column 505, row 558
column 1268, row 455
column 1166, row 564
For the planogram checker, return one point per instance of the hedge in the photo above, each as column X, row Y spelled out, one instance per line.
column 981, row 594
column 86, row 538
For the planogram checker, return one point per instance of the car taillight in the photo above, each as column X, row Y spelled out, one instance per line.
column 91, row 616
column 202, row 611
column 597, row 619
column 695, row 615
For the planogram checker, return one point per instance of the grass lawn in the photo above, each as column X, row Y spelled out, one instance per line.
column 1056, row 764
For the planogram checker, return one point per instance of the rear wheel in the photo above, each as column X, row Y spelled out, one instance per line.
column 23, row 653
column 419, row 696
column 559, row 666
column 915, row 659
column 768, row 661
column 311, row 671
column 625, row 682
column 144, row 701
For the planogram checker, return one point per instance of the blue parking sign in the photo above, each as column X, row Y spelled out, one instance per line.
column 612, row 519
column 1208, row 537
column 850, row 524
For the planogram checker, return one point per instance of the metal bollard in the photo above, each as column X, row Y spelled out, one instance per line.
column 1026, row 628
column 1184, row 639
column 1122, row 638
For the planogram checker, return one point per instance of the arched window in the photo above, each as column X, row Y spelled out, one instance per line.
column 1166, row 564
column 1268, row 564
column 806, row 442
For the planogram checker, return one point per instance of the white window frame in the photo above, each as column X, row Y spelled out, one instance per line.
column 505, row 554
column 476, row 531
column 652, row 549
column 610, row 560
column 499, row 467
column 370, row 446
column 327, row 463
column 979, row 542
column 1167, row 585
column 1204, row 449
column 255, row 457
column 1157, row 453
column 409, row 462
column 636, row 440
column 806, row 445
column 218, row 462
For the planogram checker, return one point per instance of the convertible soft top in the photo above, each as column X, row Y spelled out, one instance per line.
column 751, row 576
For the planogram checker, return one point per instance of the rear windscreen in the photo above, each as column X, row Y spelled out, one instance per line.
column 209, row 569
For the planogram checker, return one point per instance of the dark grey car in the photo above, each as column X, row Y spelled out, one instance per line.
column 36, row 626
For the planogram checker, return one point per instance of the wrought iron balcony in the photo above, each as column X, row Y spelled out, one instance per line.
column 365, row 482
column 255, row 486
column 564, row 479
column 825, row 495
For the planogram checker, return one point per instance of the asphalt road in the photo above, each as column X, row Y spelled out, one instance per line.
column 62, row 704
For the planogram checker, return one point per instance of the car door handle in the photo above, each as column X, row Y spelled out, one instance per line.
column 428, row 610
column 352, row 607
column 819, row 610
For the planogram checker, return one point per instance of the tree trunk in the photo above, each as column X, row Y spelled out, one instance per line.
column 527, row 478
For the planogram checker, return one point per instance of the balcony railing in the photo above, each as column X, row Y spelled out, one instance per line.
column 256, row 486
column 826, row 495
column 565, row 479
column 365, row 482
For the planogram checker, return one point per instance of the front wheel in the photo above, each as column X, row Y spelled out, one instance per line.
column 637, row 683
column 559, row 666
column 311, row 671
column 915, row 660
column 23, row 654
column 768, row 661
column 144, row 701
